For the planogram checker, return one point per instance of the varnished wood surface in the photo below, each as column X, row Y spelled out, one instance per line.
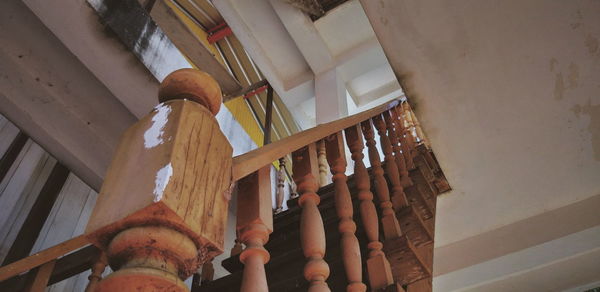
column 42, row 275
column 42, row 257
column 247, row 163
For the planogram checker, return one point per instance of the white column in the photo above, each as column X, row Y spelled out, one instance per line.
column 330, row 96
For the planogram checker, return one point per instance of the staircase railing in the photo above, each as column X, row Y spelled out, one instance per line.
column 119, row 233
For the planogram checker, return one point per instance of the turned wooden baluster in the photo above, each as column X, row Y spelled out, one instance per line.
column 336, row 157
column 405, row 180
column 378, row 267
column 280, row 186
column 208, row 272
column 391, row 228
column 312, row 233
column 391, row 168
column 162, row 209
column 97, row 270
column 322, row 158
column 254, row 224
column 407, row 145
column 41, row 277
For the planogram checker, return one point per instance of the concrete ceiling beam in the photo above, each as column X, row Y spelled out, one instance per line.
column 47, row 92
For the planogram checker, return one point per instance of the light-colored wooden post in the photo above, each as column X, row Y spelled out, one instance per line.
column 97, row 269
column 312, row 233
column 280, row 186
column 322, row 158
column 391, row 168
column 254, row 224
column 162, row 209
column 42, row 276
column 378, row 267
column 405, row 180
column 336, row 157
column 391, row 228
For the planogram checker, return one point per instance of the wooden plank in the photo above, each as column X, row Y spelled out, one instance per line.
column 41, row 277
column 66, row 267
column 36, row 218
column 42, row 257
column 247, row 163
column 191, row 47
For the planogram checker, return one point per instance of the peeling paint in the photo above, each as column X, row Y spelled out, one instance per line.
column 154, row 135
column 162, row 180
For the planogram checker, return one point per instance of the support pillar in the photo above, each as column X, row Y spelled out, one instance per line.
column 330, row 96
column 162, row 209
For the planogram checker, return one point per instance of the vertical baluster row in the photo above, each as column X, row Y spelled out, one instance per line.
column 398, row 197
column 391, row 228
column 312, row 233
column 378, row 267
column 400, row 161
column 254, row 224
column 336, row 157
column 405, row 137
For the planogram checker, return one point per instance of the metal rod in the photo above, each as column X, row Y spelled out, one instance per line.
column 269, row 115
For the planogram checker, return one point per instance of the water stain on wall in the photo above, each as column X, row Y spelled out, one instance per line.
column 592, row 44
column 559, row 86
column 593, row 111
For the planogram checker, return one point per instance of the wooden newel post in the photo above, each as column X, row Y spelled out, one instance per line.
column 312, row 232
column 162, row 209
column 254, row 224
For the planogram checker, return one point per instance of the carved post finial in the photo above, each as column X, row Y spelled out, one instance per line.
column 193, row 85
column 151, row 218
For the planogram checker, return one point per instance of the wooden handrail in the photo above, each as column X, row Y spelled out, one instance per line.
column 42, row 257
column 250, row 162
column 243, row 165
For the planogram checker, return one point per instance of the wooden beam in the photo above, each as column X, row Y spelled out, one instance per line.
column 42, row 257
column 66, row 267
column 63, row 110
column 191, row 47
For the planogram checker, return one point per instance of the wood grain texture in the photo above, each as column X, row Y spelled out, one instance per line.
column 42, row 257
column 249, row 162
column 180, row 182
column 40, row 281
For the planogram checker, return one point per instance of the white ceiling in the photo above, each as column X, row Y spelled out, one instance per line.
column 291, row 49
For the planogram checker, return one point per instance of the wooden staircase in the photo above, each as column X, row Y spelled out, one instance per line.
column 409, row 256
column 155, row 225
